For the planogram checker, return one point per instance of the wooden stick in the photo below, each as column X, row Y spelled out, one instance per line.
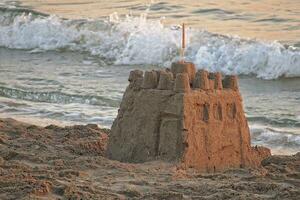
column 183, row 36
column 182, row 43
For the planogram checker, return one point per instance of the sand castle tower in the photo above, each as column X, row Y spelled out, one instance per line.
column 191, row 117
column 195, row 118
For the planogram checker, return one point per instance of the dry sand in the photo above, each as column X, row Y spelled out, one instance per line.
column 69, row 163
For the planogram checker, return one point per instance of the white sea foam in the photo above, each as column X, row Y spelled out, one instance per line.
column 279, row 141
column 137, row 40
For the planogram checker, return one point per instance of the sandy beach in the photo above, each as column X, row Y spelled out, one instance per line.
column 149, row 99
column 69, row 163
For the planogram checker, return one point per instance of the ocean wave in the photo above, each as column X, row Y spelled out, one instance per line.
column 276, row 121
column 138, row 40
column 278, row 141
column 56, row 97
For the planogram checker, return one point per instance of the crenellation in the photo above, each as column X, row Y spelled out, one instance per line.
column 218, row 81
column 165, row 81
column 136, row 79
column 182, row 83
column 201, row 80
column 134, row 75
column 230, row 82
column 150, row 80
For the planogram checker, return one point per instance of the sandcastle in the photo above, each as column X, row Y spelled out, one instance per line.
column 193, row 118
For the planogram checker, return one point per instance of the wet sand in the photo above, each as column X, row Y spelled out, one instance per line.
column 69, row 163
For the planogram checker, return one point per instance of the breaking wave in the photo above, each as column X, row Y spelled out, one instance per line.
column 279, row 141
column 138, row 40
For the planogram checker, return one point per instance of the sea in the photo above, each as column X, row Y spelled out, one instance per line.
column 67, row 62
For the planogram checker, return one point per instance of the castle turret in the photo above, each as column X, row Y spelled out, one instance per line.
column 136, row 79
column 150, row 80
column 135, row 75
column 165, row 81
column 211, row 79
column 182, row 83
column 218, row 81
column 184, row 67
column 201, row 80
column 231, row 82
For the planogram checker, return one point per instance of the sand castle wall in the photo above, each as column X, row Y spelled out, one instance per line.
column 195, row 118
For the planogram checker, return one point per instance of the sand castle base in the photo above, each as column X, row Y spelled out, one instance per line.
column 193, row 118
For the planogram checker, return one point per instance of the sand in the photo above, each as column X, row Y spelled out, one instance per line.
column 69, row 163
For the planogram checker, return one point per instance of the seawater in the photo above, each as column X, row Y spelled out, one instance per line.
column 68, row 63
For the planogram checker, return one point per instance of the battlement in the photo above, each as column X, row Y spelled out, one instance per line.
column 182, row 77
column 195, row 118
